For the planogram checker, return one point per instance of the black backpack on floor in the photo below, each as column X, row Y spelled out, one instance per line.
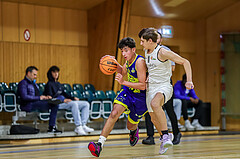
column 21, row 129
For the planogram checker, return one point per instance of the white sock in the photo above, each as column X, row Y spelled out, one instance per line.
column 102, row 140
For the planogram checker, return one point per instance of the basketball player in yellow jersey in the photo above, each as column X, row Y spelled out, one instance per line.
column 131, row 98
column 159, row 89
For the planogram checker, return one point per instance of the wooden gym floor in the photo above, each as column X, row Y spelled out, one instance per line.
column 211, row 146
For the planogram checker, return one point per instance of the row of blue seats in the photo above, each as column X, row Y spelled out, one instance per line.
column 13, row 87
column 100, row 102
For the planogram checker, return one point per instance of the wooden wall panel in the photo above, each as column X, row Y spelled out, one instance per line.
column 223, row 21
column 42, row 24
column 213, row 85
column 0, row 20
column 1, row 61
column 183, row 31
column 83, row 41
column 200, row 69
column 27, row 21
column 72, row 27
column 72, row 60
column 10, row 21
column 103, row 27
column 183, row 38
column 57, row 26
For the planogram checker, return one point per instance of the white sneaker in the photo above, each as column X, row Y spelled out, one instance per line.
column 180, row 126
column 165, row 143
column 87, row 129
column 188, row 125
column 197, row 125
column 79, row 130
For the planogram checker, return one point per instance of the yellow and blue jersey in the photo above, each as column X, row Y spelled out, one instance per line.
column 132, row 74
column 134, row 100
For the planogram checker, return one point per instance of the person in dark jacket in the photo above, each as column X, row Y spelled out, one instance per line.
column 54, row 89
column 30, row 99
column 189, row 99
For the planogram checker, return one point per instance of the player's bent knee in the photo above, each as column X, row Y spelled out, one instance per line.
column 114, row 114
column 155, row 104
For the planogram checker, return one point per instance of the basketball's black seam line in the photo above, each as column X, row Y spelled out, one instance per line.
column 106, row 70
column 108, row 66
column 105, row 64
column 108, row 73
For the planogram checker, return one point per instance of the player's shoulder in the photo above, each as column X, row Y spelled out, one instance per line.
column 140, row 59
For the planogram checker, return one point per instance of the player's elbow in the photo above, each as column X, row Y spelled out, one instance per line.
column 185, row 62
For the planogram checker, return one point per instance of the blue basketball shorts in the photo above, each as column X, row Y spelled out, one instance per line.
column 135, row 104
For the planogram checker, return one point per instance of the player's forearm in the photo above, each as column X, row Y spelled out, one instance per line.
column 188, row 70
column 139, row 85
column 119, row 69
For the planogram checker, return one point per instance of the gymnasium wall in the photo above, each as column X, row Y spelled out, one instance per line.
column 225, row 20
column 183, row 40
column 58, row 37
column 103, row 30
column 199, row 42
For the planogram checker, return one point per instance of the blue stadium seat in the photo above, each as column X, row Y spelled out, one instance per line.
column 95, row 106
column 41, row 87
column 1, row 105
column 67, row 87
column 106, row 105
column 89, row 87
column 78, row 87
column 9, row 102
column 191, row 112
column 68, row 116
column 111, row 95
column 13, row 86
column 78, row 94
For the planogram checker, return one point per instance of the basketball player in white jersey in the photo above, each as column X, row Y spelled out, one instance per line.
column 159, row 89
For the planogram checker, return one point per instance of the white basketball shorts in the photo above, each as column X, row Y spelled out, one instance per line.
column 153, row 89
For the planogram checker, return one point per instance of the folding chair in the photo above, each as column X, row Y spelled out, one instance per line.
column 67, row 87
column 78, row 87
column 41, row 87
column 191, row 112
column 9, row 102
column 1, row 105
column 111, row 95
column 106, row 105
column 89, row 87
column 13, row 86
column 95, row 106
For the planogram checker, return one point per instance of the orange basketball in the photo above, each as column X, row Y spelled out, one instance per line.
column 108, row 66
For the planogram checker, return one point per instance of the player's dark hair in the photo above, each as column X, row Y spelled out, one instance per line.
column 49, row 73
column 30, row 69
column 141, row 32
column 129, row 42
column 54, row 69
column 150, row 34
column 146, row 29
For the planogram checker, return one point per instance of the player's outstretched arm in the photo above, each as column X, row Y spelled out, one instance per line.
column 166, row 54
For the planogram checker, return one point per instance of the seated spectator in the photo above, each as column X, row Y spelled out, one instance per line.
column 30, row 99
column 177, row 106
column 54, row 89
column 189, row 99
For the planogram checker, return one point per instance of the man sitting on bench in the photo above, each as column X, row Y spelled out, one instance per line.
column 30, row 99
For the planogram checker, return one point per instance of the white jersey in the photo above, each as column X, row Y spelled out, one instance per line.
column 159, row 71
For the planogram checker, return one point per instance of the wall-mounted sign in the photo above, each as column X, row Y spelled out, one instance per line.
column 27, row 35
column 166, row 31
